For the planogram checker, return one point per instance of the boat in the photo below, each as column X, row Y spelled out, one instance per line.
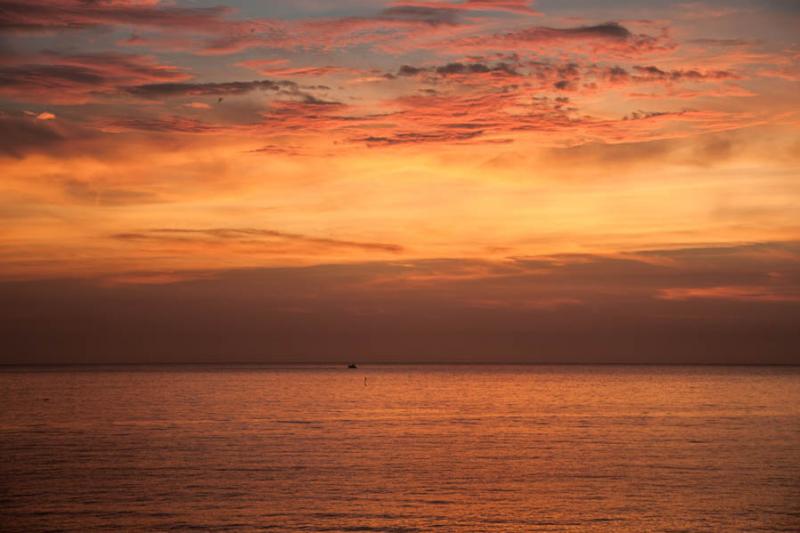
column 352, row 365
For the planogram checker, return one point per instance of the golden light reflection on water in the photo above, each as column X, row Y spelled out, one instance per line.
column 415, row 448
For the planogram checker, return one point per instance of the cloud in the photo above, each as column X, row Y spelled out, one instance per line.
column 246, row 235
column 44, row 115
column 219, row 34
column 729, row 148
column 512, row 6
column 723, row 42
column 158, row 90
column 45, row 15
column 384, row 27
column 406, row 137
column 279, row 69
column 19, row 136
column 514, row 74
column 463, row 117
column 25, row 134
column 460, row 69
column 490, row 113
column 57, row 78
column 609, row 37
column 652, row 73
column 198, row 30
column 420, row 14
column 473, row 101
column 99, row 194
column 736, row 293
column 608, row 31
column 161, row 124
column 283, row 88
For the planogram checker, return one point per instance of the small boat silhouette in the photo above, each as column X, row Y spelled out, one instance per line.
column 352, row 365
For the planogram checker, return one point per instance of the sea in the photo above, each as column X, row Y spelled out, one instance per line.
column 400, row 448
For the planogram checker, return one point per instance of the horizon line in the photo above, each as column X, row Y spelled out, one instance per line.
column 343, row 364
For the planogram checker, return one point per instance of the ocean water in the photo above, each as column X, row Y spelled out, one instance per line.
column 414, row 448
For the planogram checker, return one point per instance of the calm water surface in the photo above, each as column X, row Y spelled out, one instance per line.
column 415, row 449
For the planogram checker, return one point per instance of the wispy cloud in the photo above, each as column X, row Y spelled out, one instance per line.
column 37, row 15
column 248, row 236
column 58, row 78
column 734, row 293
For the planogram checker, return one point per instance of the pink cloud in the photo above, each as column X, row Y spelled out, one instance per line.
column 279, row 68
column 57, row 78
column 512, row 6
column 43, row 15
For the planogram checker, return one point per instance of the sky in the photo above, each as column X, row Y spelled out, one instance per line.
column 504, row 181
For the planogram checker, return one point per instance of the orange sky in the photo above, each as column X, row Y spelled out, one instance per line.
column 552, row 158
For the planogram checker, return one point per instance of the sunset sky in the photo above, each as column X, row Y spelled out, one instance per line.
column 419, row 180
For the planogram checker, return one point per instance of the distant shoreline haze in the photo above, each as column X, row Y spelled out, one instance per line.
column 269, row 316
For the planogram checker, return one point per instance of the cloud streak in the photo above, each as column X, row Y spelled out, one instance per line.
column 248, row 235
column 58, row 78
column 37, row 15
